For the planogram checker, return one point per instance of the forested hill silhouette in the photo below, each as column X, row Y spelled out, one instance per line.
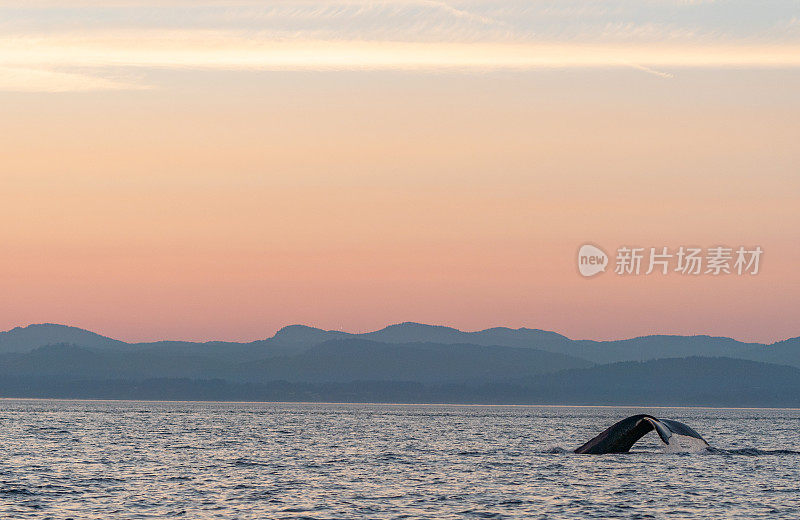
column 295, row 339
column 497, row 364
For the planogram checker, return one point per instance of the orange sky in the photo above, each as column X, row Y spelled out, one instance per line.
column 217, row 170
column 212, row 208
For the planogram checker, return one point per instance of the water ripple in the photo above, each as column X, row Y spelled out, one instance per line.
column 121, row 460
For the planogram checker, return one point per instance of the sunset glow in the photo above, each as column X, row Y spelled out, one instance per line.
column 295, row 164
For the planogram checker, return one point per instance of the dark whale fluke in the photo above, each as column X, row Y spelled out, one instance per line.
column 621, row 436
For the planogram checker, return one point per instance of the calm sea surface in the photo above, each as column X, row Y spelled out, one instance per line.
column 94, row 459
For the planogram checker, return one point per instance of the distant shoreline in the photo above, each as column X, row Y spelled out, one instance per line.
column 334, row 403
column 397, row 404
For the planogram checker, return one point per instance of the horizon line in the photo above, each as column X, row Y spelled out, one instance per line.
column 626, row 338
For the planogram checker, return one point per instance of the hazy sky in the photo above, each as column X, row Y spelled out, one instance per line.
column 216, row 170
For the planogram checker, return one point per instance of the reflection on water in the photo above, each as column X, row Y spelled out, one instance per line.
column 684, row 444
column 71, row 459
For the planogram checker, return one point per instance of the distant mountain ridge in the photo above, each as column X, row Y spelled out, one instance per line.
column 294, row 339
column 25, row 339
column 340, row 360
column 665, row 382
column 352, row 359
column 407, row 362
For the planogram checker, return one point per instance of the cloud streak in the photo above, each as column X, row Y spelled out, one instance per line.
column 20, row 79
column 424, row 20
column 220, row 50
column 54, row 47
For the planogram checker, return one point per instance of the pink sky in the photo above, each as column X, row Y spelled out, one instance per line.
column 225, row 206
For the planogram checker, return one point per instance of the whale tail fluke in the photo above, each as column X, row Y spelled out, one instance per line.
column 619, row 437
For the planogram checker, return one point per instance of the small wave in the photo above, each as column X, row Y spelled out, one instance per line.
column 557, row 450
column 751, row 452
column 15, row 491
column 483, row 514
column 391, row 457
column 102, row 480
column 247, row 462
column 680, row 444
column 48, row 430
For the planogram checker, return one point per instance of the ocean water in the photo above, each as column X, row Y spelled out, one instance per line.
column 128, row 460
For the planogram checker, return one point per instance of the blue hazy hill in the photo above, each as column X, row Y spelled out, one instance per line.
column 295, row 339
column 515, row 365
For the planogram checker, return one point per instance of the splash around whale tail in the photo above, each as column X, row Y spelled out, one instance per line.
column 619, row 437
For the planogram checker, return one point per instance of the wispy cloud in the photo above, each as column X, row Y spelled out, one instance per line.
column 224, row 50
column 421, row 20
column 660, row 74
column 17, row 79
column 50, row 46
